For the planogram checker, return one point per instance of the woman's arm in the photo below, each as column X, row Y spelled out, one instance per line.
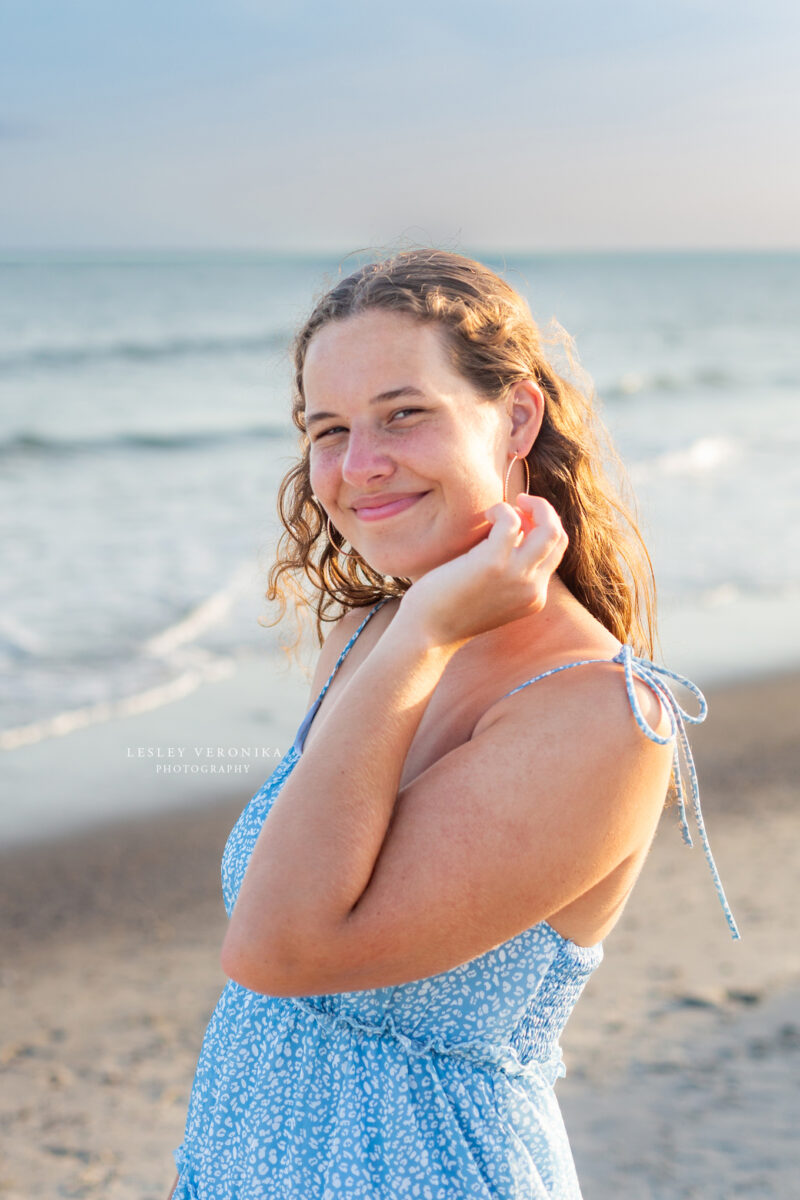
column 172, row 1189
column 316, row 853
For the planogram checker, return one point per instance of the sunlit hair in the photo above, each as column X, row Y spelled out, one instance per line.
column 494, row 343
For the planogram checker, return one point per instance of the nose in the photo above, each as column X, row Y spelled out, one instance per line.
column 365, row 458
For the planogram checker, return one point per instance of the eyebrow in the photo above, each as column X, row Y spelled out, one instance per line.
column 379, row 399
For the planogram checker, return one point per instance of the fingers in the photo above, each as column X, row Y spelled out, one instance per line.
column 546, row 534
column 552, row 559
column 506, row 524
column 533, row 530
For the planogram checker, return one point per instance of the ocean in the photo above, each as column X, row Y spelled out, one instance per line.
column 144, row 429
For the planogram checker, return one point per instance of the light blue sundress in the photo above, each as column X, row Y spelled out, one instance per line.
column 438, row 1089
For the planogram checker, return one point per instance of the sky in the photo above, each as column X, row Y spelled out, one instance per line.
column 313, row 126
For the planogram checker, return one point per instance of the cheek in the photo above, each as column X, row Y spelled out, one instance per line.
column 475, row 468
column 323, row 470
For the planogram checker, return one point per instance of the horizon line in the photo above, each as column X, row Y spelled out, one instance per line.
column 275, row 252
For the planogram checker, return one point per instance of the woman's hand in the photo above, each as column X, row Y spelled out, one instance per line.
column 503, row 578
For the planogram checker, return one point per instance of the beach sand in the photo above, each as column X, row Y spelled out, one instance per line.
column 683, row 1055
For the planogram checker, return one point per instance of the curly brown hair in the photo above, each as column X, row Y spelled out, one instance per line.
column 494, row 343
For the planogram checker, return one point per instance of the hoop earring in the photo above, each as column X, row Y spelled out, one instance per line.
column 527, row 475
column 338, row 549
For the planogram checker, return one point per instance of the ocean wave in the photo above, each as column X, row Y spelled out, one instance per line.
column 722, row 595
column 714, row 379
column 184, row 664
column 33, row 442
column 17, row 640
column 204, row 616
column 137, row 350
column 700, row 457
column 212, row 667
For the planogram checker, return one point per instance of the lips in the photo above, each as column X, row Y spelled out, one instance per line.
column 369, row 510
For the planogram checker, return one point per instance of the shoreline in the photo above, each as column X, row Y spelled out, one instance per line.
column 682, row 1055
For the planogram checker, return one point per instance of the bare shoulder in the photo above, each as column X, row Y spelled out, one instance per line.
column 587, row 690
column 585, row 713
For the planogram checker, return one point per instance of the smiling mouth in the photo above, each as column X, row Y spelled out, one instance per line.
column 382, row 511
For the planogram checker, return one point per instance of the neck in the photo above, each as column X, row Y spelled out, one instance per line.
column 561, row 618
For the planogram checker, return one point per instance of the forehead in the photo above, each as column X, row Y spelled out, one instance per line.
column 376, row 351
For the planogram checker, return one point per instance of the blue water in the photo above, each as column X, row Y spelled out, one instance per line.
column 144, row 428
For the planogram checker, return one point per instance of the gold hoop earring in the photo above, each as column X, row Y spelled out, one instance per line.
column 527, row 475
column 338, row 549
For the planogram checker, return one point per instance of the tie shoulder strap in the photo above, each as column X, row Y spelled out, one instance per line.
column 656, row 677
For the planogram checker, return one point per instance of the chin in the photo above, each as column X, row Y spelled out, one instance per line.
column 402, row 566
column 399, row 569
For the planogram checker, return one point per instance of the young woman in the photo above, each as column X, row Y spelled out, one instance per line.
column 420, row 891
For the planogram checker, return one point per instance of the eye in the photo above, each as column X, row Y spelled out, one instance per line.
column 401, row 411
column 398, row 413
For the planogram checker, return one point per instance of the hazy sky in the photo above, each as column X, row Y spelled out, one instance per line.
column 322, row 125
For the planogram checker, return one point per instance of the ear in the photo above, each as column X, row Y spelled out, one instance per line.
column 526, row 410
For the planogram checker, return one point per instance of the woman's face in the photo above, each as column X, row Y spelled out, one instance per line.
column 432, row 458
